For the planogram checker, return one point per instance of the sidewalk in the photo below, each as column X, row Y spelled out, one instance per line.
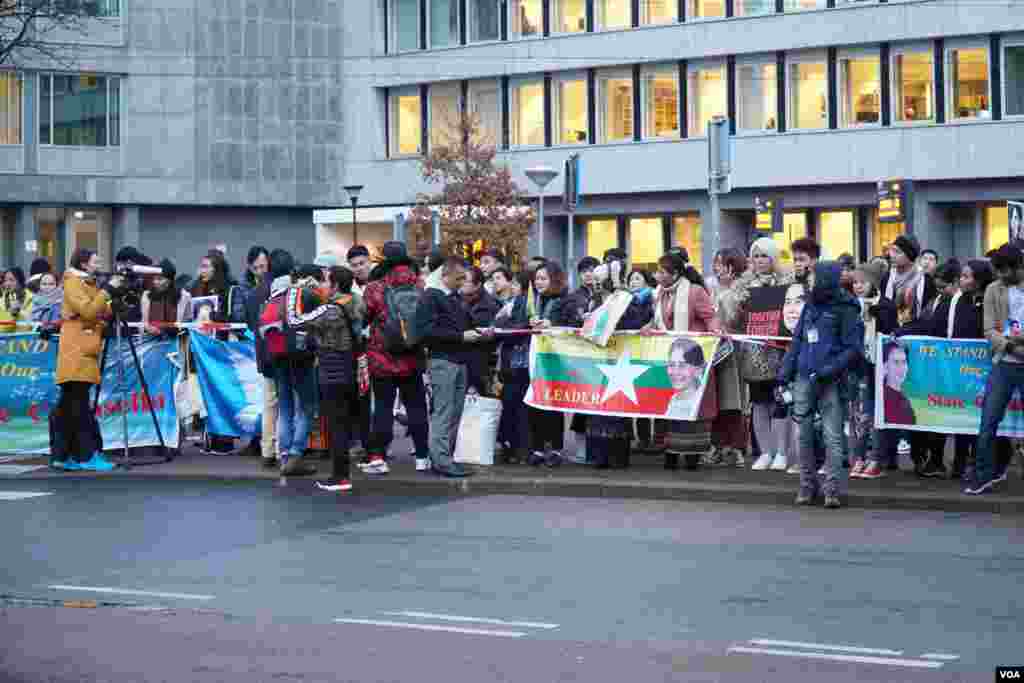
column 646, row 479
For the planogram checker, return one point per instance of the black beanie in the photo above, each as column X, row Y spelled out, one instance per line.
column 168, row 269
column 39, row 267
column 909, row 245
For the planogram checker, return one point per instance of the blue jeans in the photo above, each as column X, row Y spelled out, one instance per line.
column 825, row 398
column 296, row 403
column 865, row 436
column 1003, row 381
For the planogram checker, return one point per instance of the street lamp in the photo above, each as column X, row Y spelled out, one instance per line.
column 541, row 176
column 353, row 196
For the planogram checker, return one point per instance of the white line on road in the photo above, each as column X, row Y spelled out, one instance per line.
column 22, row 495
column 433, row 627
column 130, row 591
column 826, row 646
column 856, row 659
column 940, row 656
column 473, row 620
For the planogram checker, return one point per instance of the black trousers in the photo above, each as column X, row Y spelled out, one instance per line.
column 514, row 427
column 414, row 397
column 546, row 426
column 74, row 431
column 337, row 406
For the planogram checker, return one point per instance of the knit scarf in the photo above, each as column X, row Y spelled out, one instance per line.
column 672, row 312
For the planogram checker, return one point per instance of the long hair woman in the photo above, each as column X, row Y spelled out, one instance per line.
column 15, row 300
column 547, row 429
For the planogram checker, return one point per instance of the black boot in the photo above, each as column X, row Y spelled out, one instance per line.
column 692, row 461
column 671, row 461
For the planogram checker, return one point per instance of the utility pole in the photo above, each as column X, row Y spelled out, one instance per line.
column 719, row 182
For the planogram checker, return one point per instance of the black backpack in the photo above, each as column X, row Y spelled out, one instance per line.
column 399, row 332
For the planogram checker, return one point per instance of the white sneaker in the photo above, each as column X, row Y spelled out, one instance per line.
column 422, row 464
column 793, row 469
column 377, row 467
column 823, row 471
column 763, row 463
column 779, row 464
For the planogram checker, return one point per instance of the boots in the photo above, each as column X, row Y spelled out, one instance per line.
column 671, row 461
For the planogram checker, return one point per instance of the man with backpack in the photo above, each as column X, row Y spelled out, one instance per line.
column 395, row 355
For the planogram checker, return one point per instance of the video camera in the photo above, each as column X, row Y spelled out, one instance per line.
column 129, row 293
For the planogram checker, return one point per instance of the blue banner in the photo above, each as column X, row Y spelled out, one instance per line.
column 231, row 384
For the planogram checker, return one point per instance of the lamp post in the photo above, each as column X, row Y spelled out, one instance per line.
column 353, row 196
column 541, row 176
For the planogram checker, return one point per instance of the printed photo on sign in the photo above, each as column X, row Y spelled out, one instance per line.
column 774, row 311
column 687, row 369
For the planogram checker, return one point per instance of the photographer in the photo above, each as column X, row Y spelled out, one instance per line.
column 165, row 302
column 127, row 257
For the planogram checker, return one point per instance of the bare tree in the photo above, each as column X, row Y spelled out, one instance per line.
column 30, row 30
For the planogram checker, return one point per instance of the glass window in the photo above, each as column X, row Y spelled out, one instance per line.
column 615, row 107
column 527, row 18
column 1013, row 70
column 610, row 14
column 485, row 106
column 883, row 234
column 860, row 87
column 706, row 9
column 794, row 227
column 757, row 103
column 10, row 108
column 749, row 8
column 995, row 227
column 646, row 243
column 686, row 233
column 445, row 106
column 527, row 110
column 484, row 20
column 808, row 92
column 405, row 22
column 570, row 110
column 602, row 235
column 658, row 12
column 800, row 5
column 707, row 96
column 968, row 84
column 569, row 16
column 78, row 110
column 443, row 17
column 406, row 112
column 913, row 87
column 837, row 232
column 661, row 100
column 104, row 8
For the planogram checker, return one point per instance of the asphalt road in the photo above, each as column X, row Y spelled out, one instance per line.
column 250, row 581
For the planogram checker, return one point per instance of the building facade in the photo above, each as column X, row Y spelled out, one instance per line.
column 824, row 97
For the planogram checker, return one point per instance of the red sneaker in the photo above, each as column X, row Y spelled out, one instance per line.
column 872, row 471
column 335, row 485
column 858, row 470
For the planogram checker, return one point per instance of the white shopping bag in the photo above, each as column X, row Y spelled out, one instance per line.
column 188, row 398
column 478, row 430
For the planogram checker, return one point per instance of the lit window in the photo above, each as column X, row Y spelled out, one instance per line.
column 706, row 9
column 570, row 16
column 658, row 12
column 883, row 234
column 103, row 8
column 686, row 232
column 707, row 96
column 750, row 8
column 837, row 233
column 611, row 14
column 968, row 84
column 860, row 101
column 443, row 20
column 995, row 227
column 10, row 108
column 794, row 227
column 406, row 121
column 615, row 106
column 661, row 99
column 801, row 5
column 80, row 110
column 527, row 18
column 570, row 111
column 646, row 243
column 1013, row 70
column 405, row 22
column 913, row 87
column 602, row 235
column 808, row 91
column 485, row 106
column 527, row 112
column 445, row 101
column 484, row 20
column 757, row 101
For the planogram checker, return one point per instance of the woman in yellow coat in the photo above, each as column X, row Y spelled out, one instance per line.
column 15, row 302
column 85, row 310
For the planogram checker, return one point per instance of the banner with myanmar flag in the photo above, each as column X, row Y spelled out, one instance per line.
column 659, row 376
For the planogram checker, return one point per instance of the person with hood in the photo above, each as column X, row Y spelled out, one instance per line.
column 39, row 267
column 15, row 300
column 164, row 302
column 46, row 301
column 828, row 342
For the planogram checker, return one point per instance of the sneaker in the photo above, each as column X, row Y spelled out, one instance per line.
column 932, row 470
column 713, row 457
column 763, row 463
column 858, row 469
column 536, row 458
column 804, row 499
column 1002, row 476
column 833, row 502
column 871, row 471
column 98, row 463
column 59, row 465
column 779, row 463
column 422, row 464
column 377, row 466
column 979, row 489
column 822, row 471
column 74, row 466
column 295, row 465
column 335, row 485
column 269, row 463
column 737, row 458
column 793, row 469
column 553, row 460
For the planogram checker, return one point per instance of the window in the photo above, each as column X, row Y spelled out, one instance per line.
column 968, row 83
column 794, row 226
column 570, row 111
column 445, row 107
column 801, row 5
column 750, row 8
column 995, row 227
column 707, row 96
column 1013, row 80
column 443, row 20
column 913, row 87
column 611, row 14
column 661, row 102
column 837, row 233
column 485, row 106
column 527, row 18
column 658, row 12
column 484, row 20
column 615, row 106
column 860, row 88
column 406, row 121
column 527, row 111
column 105, row 9
column 77, row 110
column 570, row 16
column 602, row 235
column 706, row 9
column 883, row 234
column 686, row 233
column 808, row 92
column 405, row 22
column 757, row 96
column 10, row 108
column 646, row 243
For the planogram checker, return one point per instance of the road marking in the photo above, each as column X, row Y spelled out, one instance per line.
column 855, row 659
column 940, row 656
column 130, row 591
column 473, row 620
column 826, row 646
column 22, row 495
column 433, row 627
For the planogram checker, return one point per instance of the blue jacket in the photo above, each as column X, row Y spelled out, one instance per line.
column 829, row 339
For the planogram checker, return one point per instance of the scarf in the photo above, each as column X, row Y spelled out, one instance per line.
column 870, row 326
column 907, row 291
column 672, row 312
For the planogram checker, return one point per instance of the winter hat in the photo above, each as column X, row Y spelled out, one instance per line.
column 873, row 272
column 765, row 246
column 40, row 266
column 168, row 270
column 909, row 245
column 587, row 263
column 326, row 260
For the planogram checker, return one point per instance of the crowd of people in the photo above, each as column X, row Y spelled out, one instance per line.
column 350, row 340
